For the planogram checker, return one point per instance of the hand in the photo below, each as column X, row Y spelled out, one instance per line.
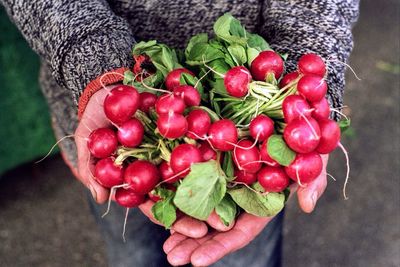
column 207, row 250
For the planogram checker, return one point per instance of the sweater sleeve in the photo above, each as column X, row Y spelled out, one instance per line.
column 320, row 26
column 79, row 39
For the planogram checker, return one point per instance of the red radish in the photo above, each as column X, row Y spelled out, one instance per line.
column 261, row 127
column 121, row 103
column 312, row 87
column 198, row 124
column 293, row 106
column 157, row 198
column 265, row 157
column 102, row 142
column 223, row 135
column 174, row 78
column 167, row 172
column 273, row 179
column 305, row 168
column 236, row 81
column 170, row 102
column 266, row 62
column 246, row 156
column 245, row 177
column 142, row 176
column 130, row 133
column 189, row 94
column 172, row 125
column 321, row 109
column 312, row 64
column 127, row 198
column 207, row 152
column 330, row 136
column 302, row 135
column 154, row 197
column 182, row 157
column 147, row 101
column 288, row 78
column 108, row 174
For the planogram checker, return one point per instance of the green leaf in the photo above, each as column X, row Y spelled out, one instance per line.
column 238, row 54
column 188, row 79
column 164, row 210
column 256, row 203
column 279, row 151
column 256, row 41
column 197, row 39
column 222, row 29
column 236, row 28
column 141, row 46
column 227, row 166
column 344, row 125
column 201, row 190
column 129, row 77
column 226, row 210
column 203, row 53
column 252, row 53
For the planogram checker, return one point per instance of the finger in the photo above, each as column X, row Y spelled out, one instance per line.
column 308, row 195
column 173, row 241
column 247, row 227
column 215, row 222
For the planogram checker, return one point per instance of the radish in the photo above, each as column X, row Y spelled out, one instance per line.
column 273, row 179
column 312, row 87
column 261, row 127
column 246, row 156
column 265, row 157
column 321, row 109
column 154, row 197
column 172, row 125
column 288, row 78
column 305, row 168
column 109, row 174
column 223, row 135
column 302, row 135
column 167, row 172
column 293, row 106
column 265, row 63
column 182, row 157
column 147, row 101
column 141, row 176
column 330, row 136
column 189, row 94
column 130, row 133
column 245, row 177
column 127, row 198
column 121, row 103
column 173, row 78
column 207, row 152
column 102, row 142
column 236, row 81
column 170, row 102
column 198, row 124
column 312, row 64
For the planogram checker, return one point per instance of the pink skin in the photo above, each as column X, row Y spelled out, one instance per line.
column 330, row 136
column 127, row 198
column 167, row 172
column 170, row 102
column 147, row 101
column 273, row 179
column 121, row 103
column 198, row 124
column 245, row 177
column 222, row 134
column 293, row 106
column 288, row 78
column 312, row 87
column 305, row 168
column 302, row 135
column 248, row 159
column 172, row 125
column 266, row 62
column 321, row 109
column 173, row 78
column 261, row 127
column 265, row 157
column 141, row 176
column 189, row 94
column 236, row 81
column 312, row 64
column 182, row 157
column 102, row 143
column 207, row 152
column 130, row 133
column 108, row 174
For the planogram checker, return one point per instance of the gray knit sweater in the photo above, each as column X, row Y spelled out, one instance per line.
column 78, row 40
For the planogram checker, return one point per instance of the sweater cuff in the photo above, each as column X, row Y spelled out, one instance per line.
column 108, row 78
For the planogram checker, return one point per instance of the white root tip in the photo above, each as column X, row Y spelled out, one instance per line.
column 348, row 169
column 54, row 146
column 125, row 221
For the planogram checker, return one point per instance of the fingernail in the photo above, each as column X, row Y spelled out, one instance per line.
column 314, row 197
column 94, row 194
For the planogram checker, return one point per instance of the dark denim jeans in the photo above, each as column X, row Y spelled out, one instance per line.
column 144, row 240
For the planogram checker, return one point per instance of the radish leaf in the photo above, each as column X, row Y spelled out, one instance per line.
column 226, row 210
column 279, row 151
column 164, row 210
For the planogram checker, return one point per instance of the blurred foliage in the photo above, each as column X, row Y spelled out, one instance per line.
column 388, row 67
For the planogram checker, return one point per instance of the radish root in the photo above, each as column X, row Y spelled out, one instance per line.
column 52, row 148
column 348, row 169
